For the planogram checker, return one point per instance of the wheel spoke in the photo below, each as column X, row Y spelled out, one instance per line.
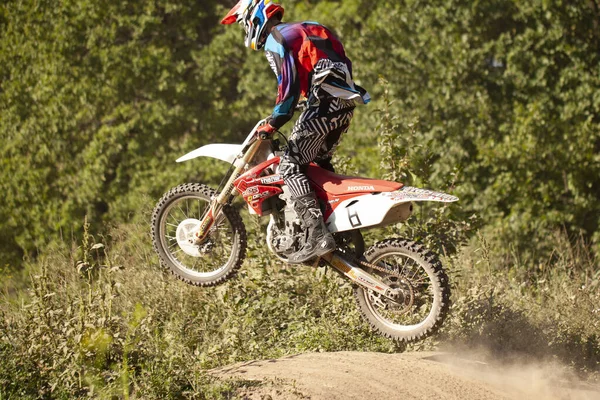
column 417, row 282
column 174, row 219
column 211, row 261
column 414, row 274
column 411, row 275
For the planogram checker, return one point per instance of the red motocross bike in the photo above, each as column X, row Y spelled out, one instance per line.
column 400, row 286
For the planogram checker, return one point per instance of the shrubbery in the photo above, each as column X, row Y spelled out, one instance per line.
column 97, row 98
column 109, row 321
column 497, row 102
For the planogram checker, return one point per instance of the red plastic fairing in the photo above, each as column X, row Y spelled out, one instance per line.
column 255, row 189
column 256, row 195
column 248, row 178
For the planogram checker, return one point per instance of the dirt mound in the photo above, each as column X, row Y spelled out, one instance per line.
column 352, row 375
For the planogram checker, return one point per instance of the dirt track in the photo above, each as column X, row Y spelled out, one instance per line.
column 351, row 375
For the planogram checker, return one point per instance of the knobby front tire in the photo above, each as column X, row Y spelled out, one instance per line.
column 177, row 216
column 422, row 280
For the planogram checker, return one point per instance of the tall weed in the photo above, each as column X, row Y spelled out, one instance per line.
column 515, row 307
column 109, row 321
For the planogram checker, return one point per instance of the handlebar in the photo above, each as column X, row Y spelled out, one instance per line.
column 253, row 131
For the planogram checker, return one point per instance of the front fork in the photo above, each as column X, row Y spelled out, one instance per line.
column 226, row 194
column 358, row 275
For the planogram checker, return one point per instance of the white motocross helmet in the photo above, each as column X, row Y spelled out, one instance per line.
column 253, row 15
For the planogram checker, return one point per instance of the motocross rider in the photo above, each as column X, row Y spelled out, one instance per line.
column 309, row 61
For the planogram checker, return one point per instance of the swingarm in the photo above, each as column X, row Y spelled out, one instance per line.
column 358, row 275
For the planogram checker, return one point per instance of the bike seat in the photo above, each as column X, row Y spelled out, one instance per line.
column 342, row 184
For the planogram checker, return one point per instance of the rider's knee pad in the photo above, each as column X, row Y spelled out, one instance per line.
column 288, row 169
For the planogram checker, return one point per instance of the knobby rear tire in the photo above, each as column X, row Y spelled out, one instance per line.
column 437, row 285
column 201, row 194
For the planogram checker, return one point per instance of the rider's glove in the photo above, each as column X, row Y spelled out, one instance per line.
column 265, row 131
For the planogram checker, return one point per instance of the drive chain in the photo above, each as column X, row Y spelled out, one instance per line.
column 378, row 268
column 400, row 277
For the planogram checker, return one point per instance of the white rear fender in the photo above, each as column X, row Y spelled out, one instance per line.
column 225, row 152
column 381, row 209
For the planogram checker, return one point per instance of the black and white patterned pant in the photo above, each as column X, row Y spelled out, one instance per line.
column 315, row 136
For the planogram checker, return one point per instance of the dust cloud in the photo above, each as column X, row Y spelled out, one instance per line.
column 519, row 378
column 450, row 375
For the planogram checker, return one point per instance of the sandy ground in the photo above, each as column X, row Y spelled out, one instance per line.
column 353, row 375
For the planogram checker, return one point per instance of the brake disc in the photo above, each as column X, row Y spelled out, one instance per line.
column 398, row 304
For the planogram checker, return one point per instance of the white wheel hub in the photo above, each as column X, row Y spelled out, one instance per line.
column 186, row 232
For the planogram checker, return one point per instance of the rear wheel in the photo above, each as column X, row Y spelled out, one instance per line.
column 176, row 219
column 425, row 291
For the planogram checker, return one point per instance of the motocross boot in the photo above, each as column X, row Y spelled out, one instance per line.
column 318, row 240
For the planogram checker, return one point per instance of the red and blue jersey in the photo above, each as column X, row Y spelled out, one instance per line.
column 294, row 50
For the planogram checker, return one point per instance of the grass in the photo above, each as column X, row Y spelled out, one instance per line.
column 520, row 308
column 106, row 321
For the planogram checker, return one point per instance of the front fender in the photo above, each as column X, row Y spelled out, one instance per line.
column 381, row 209
column 224, row 152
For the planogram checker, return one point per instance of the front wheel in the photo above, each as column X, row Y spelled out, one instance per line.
column 176, row 219
column 418, row 275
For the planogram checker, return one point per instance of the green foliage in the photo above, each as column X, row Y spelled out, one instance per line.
column 497, row 102
column 95, row 100
column 405, row 159
column 497, row 99
column 107, row 321
column 113, row 324
column 515, row 310
column 506, row 93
